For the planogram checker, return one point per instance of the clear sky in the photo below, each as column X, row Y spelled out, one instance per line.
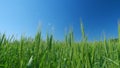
column 23, row 16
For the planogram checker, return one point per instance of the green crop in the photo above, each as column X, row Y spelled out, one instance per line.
column 49, row 53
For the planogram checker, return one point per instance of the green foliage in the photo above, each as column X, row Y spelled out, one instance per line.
column 38, row 53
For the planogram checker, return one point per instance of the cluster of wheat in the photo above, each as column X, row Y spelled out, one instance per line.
column 38, row 53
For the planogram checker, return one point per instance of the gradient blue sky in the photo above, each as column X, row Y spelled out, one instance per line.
column 23, row 16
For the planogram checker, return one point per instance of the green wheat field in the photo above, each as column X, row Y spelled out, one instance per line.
column 38, row 53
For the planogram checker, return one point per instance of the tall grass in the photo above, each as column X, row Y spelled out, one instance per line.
column 49, row 53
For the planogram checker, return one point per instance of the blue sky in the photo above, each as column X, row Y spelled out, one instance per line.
column 23, row 16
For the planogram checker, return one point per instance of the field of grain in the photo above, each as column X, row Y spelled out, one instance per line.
column 49, row 53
